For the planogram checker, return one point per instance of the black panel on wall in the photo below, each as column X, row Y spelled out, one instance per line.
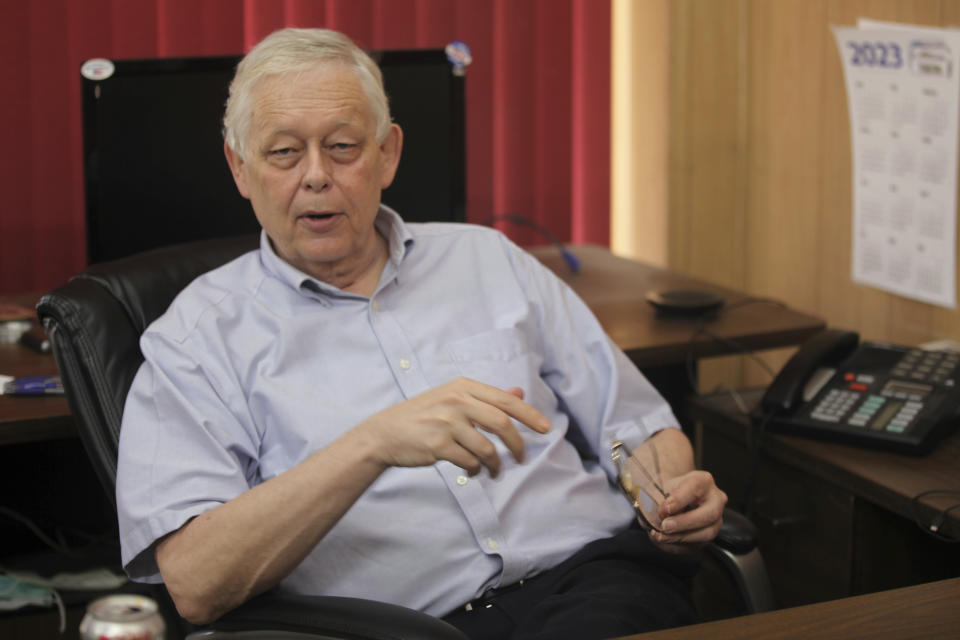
column 153, row 152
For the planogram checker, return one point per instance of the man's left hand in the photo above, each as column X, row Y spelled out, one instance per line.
column 692, row 514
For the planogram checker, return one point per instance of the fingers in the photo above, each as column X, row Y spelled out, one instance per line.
column 509, row 401
column 470, row 451
column 490, row 410
column 693, row 513
column 446, row 423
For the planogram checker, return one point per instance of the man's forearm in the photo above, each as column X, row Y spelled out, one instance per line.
column 227, row 555
column 673, row 455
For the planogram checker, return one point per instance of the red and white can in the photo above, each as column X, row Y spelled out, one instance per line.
column 122, row 617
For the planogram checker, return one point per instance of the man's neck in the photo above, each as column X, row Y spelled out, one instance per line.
column 358, row 275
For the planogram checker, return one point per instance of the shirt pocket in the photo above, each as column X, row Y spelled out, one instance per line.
column 500, row 357
column 504, row 358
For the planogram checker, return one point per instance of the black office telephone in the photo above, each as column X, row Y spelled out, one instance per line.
column 871, row 394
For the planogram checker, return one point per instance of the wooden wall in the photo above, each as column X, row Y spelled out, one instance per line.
column 758, row 167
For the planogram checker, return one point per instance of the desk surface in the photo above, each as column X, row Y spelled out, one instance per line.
column 613, row 287
column 28, row 419
column 918, row 612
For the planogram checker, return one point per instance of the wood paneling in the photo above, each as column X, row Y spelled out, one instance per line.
column 759, row 162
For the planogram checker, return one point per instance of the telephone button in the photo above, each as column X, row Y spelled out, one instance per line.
column 897, row 426
column 858, row 386
column 825, row 417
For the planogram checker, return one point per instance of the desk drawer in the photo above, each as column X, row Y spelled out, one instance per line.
column 805, row 525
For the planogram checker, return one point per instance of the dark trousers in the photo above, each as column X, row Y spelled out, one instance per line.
column 612, row 587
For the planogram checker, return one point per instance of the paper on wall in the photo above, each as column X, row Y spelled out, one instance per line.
column 903, row 94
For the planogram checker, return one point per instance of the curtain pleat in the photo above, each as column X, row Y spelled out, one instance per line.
column 537, row 103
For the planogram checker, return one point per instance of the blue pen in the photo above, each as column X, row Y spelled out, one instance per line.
column 34, row 386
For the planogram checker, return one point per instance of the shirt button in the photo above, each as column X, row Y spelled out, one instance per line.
column 492, row 544
column 404, row 364
column 375, row 305
column 462, row 480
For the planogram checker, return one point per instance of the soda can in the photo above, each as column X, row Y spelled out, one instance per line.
column 122, row 617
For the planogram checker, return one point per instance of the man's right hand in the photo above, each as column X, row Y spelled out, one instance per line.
column 443, row 423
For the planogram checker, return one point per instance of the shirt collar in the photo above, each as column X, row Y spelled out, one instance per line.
column 388, row 223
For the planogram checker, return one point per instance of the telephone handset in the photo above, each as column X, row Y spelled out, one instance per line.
column 823, row 350
column 872, row 394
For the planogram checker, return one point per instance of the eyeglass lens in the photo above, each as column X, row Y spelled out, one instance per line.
column 640, row 485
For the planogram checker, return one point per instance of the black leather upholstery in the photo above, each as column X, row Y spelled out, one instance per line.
column 94, row 323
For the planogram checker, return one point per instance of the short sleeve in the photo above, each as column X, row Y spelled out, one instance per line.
column 185, row 447
column 603, row 392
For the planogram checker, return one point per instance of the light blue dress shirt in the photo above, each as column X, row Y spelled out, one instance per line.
column 256, row 365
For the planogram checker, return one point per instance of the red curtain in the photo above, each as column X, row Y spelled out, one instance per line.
column 537, row 103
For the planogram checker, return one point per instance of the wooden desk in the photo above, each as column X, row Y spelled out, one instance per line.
column 613, row 287
column 29, row 419
column 835, row 520
column 918, row 612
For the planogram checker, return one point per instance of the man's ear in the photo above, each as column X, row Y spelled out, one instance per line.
column 390, row 150
column 236, row 168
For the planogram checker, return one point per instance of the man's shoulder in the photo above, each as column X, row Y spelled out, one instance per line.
column 220, row 292
column 449, row 229
column 462, row 234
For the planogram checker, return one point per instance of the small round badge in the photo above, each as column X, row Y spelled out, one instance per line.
column 458, row 53
column 97, row 69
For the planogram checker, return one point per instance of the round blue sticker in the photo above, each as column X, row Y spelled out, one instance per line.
column 458, row 53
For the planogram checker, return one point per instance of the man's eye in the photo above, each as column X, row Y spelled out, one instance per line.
column 344, row 151
column 282, row 152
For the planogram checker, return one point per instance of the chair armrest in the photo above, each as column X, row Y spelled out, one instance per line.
column 336, row 617
column 737, row 533
column 736, row 550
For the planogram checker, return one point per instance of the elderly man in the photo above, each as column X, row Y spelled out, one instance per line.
column 420, row 414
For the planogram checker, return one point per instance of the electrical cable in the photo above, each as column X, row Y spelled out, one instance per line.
column 573, row 262
column 935, row 526
column 58, row 546
column 755, row 435
column 737, row 347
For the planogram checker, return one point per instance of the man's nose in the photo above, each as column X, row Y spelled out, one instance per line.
column 316, row 174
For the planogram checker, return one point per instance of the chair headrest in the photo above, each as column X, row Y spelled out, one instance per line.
column 146, row 283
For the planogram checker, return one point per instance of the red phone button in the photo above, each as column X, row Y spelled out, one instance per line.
column 858, row 386
column 849, row 377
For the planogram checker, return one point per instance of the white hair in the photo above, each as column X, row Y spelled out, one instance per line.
column 298, row 50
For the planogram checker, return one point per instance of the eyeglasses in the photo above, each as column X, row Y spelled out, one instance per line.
column 641, row 488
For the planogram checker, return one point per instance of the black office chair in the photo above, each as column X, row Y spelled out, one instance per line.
column 94, row 323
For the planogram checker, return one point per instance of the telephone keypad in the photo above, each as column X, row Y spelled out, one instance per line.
column 834, row 405
column 926, row 366
column 887, row 412
column 895, row 406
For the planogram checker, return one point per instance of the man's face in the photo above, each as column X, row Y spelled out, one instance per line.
column 314, row 169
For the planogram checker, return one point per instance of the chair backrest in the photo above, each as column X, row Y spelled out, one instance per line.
column 94, row 324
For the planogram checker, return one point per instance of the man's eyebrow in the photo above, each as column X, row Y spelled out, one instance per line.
column 287, row 131
column 339, row 126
